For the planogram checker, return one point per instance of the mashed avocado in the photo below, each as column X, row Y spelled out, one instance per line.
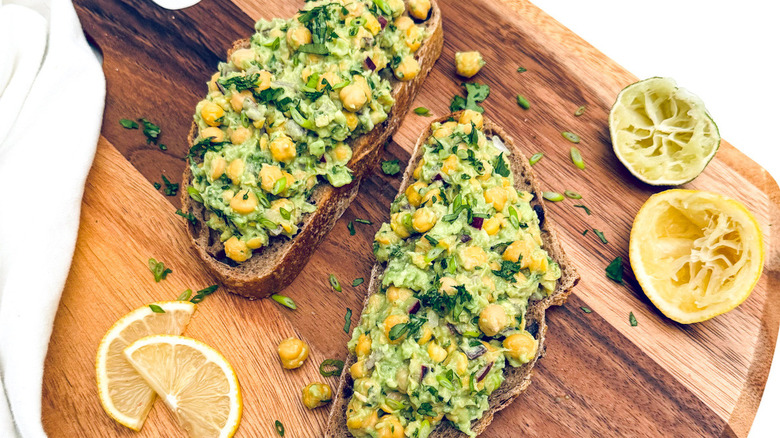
column 463, row 258
column 280, row 114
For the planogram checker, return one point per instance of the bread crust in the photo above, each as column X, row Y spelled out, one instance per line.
column 516, row 379
column 276, row 265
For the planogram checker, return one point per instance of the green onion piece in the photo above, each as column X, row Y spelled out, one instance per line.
column 184, row 295
column 285, row 214
column 422, row 111
column 552, row 196
column 397, row 331
column 156, row 309
column 513, row 219
column 334, row 283
column 203, row 293
column 615, row 270
column 284, row 301
column 431, row 239
column 357, row 282
column 159, row 270
column 572, row 195
column 384, row 6
column 576, row 158
column 535, row 158
column 587, row 210
column 351, row 228
column 347, row 320
column 279, row 427
column 632, row 319
column 194, row 194
column 128, row 124
column 580, row 111
column 157, row 185
column 364, row 221
column 267, row 223
column 521, row 69
column 601, row 236
column 523, row 102
column 279, row 185
column 335, row 365
column 586, row 310
column 317, row 49
column 572, row 137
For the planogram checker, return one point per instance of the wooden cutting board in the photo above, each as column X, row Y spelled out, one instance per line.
column 600, row 376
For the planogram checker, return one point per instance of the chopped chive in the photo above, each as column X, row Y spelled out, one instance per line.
column 284, row 213
column 159, row 270
column 203, row 293
column 351, row 228
column 552, row 196
column 513, row 219
column 357, row 282
column 334, row 283
column 279, row 185
column 284, row 301
column 185, row 296
column 535, row 158
column 335, row 365
column 615, row 270
column 422, row 111
column 572, row 195
column 128, row 124
column 268, row 223
column 585, row 309
column 585, row 232
column 156, row 309
column 189, row 216
column 587, row 210
column 632, row 319
column 278, row 424
column 193, row 192
column 521, row 69
column 523, row 102
column 576, row 158
column 364, row 221
column 347, row 320
column 431, row 239
column 601, row 236
column 572, row 137
column 580, row 111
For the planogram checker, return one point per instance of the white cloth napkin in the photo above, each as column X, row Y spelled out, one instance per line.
column 52, row 92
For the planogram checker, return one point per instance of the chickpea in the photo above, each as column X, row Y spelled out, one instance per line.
column 358, row 369
column 316, row 394
column 244, row 202
column 458, row 361
column 352, row 120
column 265, row 80
column 516, row 250
column 218, row 165
column 450, row 164
column 407, row 69
column 387, row 238
column 398, row 294
column 472, row 257
column 392, row 402
column 298, row 36
column 470, row 116
column 240, row 135
column 353, row 97
column 293, row 352
column 493, row 225
column 359, row 420
column 235, row 170
column 363, row 347
column 242, row 58
column 436, row 353
column 237, row 250
column 212, row 84
column 237, row 99
column 492, row 319
column 418, row 170
column 430, row 195
column 255, row 242
column 426, row 335
column 213, row 133
column 448, row 285
column 413, row 38
column 342, row 152
column 419, row 9
column 398, row 226
column 521, row 346
column 496, row 196
column 212, row 113
column 389, row 426
column 423, row 219
column 372, row 24
column 329, row 78
column 283, row 149
column 355, row 9
column 468, row 63
column 445, row 130
column 413, row 193
column 269, row 174
column 392, row 321
column 403, row 23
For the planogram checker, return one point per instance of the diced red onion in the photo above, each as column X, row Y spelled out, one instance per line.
column 414, row 308
column 438, row 177
column 221, row 88
column 382, row 21
column 475, row 352
column 484, row 372
column 465, row 238
column 423, row 372
column 477, row 222
column 369, row 63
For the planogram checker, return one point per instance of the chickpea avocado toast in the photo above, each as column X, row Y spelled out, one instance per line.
column 455, row 316
column 291, row 123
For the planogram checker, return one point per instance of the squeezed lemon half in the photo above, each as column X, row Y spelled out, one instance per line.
column 194, row 380
column 696, row 254
column 662, row 133
column 124, row 394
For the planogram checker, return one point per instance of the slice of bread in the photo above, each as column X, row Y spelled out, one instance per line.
column 516, row 379
column 275, row 266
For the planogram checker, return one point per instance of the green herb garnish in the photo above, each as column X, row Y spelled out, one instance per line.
column 284, row 301
column 156, row 309
column 171, row 189
column 632, row 319
column 348, row 320
column 587, row 210
column 500, row 166
column 357, row 282
column 615, row 270
column 157, row 185
column 580, row 111
column 278, row 424
column 351, row 228
column 586, row 310
column 508, row 270
column 284, row 213
column 391, row 167
column 203, row 293
column 189, row 216
column 431, row 239
column 240, row 82
column 151, row 131
column 601, row 236
column 572, row 195
column 331, row 367
column 128, row 124
column 572, row 137
column 185, row 296
column 364, row 221
column 158, row 270
column 585, row 232
column 475, row 93
column 523, row 102
column 521, row 69
column 422, row 111
column 334, row 283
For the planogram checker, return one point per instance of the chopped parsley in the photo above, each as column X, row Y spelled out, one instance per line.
column 500, row 166
column 170, row 189
column 348, row 320
column 587, row 210
column 189, row 216
column 615, row 270
column 601, row 236
column 475, row 93
column 632, row 319
column 508, row 270
column 521, row 69
column 351, row 228
column 240, row 82
column 151, row 131
column 128, row 124
column 586, row 310
column 391, row 167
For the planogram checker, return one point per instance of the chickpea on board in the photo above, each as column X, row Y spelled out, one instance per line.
column 316, row 394
column 468, row 64
column 293, row 352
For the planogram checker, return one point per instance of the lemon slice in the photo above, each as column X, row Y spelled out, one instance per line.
column 696, row 254
column 124, row 394
column 196, row 382
column 662, row 133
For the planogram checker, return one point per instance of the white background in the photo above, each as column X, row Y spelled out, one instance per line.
column 727, row 54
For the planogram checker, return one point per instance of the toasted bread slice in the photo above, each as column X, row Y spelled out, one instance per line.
column 516, row 379
column 277, row 265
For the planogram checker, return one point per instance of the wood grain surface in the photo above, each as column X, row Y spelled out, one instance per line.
column 600, row 376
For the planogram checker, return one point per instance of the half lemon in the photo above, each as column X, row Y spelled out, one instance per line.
column 124, row 394
column 194, row 380
column 696, row 254
column 663, row 134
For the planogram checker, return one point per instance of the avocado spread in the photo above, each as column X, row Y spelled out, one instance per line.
column 280, row 114
column 463, row 257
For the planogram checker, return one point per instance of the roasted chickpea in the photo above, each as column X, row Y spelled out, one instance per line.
column 430, row 195
column 413, row 38
column 213, row 133
column 244, row 202
column 242, row 58
column 468, row 63
column 492, row 319
column 298, row 36
column 493, row 225
column 398, row 224
column 240, row 135
column 293, row 352
column 218, row 165
column 419, row 9
column 389, row 426
column 358, row 369
column 235, row 170
column 521, row 346
column 352, row 120
column 283, row 149
column 371, row 23
column 316, row 394
column 403, row 22
column 517, row 249
column 398, row 294
column 342, row 152
column 470, row 116
column 353, row 97
column 472, row 257
column 407, row 69
column 436, row 353
column 450, row 164
column 458, row 361
column 496, row 196
column 212, row 84
column 237, row 99
column 265, row 80
column 445, row 129
column 363, row 347
column 269, row 174
column 413, row 193
column 360, row 419
column 237, row 250
column 448, row 285
column 212, row 113
column 423, row 219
